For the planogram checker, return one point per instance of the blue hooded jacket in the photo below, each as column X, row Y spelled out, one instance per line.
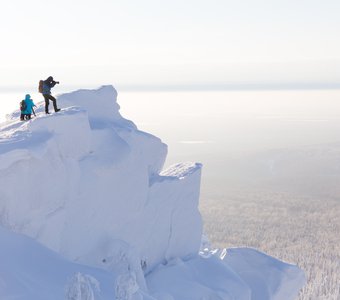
column 29, row 105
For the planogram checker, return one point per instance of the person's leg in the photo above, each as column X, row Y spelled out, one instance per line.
column 28, row 116
column 54, row 100
column 22, row 117
column 47, row 102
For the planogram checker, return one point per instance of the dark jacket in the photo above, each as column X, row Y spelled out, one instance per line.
column 47, row 85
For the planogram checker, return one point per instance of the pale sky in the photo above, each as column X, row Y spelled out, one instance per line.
column 177, row 42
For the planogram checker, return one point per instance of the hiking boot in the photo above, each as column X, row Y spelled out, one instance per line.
column 47, row 113
column 58, row 109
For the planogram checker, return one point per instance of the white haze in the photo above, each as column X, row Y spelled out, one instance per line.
column 271, row 170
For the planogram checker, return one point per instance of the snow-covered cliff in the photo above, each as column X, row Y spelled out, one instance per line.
column 88, row 185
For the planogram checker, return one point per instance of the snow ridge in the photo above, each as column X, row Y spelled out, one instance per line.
column 89, row 187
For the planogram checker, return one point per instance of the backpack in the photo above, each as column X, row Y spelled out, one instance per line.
column 40, row 88
column 23, row 105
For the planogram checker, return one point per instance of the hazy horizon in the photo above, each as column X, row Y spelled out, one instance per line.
column 245, row 86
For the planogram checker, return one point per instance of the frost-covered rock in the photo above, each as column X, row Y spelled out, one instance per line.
column 82, row 287
column 87, row 181
column 267, row 277
column 126, row 286
column 87, row 184
column 237, row 273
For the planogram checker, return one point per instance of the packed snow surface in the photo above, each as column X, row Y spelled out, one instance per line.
column 87, row 212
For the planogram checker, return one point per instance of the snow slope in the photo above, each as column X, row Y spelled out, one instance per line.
column 88, row 188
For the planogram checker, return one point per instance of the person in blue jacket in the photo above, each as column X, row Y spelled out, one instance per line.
column 27, row 112
column 46, row 91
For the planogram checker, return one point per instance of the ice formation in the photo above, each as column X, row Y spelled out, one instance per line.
column 86, row 207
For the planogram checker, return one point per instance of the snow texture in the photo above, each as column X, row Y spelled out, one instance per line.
column 101, row 219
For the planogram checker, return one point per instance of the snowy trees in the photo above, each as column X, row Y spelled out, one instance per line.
column 302, row 230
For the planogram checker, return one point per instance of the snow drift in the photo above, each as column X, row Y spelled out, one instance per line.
column 88, row 185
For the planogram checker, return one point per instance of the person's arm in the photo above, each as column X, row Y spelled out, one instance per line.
column 53, row 83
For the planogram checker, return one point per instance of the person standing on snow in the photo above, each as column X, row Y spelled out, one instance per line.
column 46, row 91
column 27, row 112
